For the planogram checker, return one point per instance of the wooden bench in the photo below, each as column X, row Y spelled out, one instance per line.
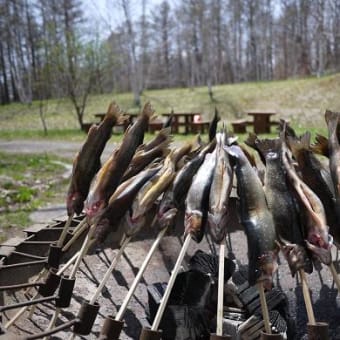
column 155, row 125
column 240, row 125
column 202, row 126
column 86, row 127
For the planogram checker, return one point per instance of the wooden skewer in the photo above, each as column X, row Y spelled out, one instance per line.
column 83, row 251
column 139, row 275
column 171, row 282
column 65, row 230
column 110, row 270
column 219, row 326
column 264, row 308
column 335, row 276
column 306, row 296
column 75, row 236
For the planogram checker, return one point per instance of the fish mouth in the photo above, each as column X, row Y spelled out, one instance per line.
column 268, row 266
column 324, row 254
column 295, row 256
column 166, row 219
column 193, row 222
column 94, row 209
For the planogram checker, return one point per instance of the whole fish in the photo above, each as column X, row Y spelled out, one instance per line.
column 87, row 161
column 121, row 200
column 317, row 177
column 197, row 200
column 332, row 120
column 185, row 176
column 220, row 191
column 283, row 207
column 146, row 155
column 318, row 239
column 151, row 190
column 110, row 175
column 257, row 221
column 167, row 211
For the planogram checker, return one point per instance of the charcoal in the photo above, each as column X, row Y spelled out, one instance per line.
column 208, row 264
column 155, row 293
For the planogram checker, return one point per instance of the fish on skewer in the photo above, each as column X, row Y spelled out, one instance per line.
column 158, row 147
column 318, row 239
column 197, row 200
column 87, row 162
column 184, row 177
column 120, row 201
column 283, row 207
column 110, row 175
column 257, row 221
column 220, row 191
column 150, row 192
column 318, row 178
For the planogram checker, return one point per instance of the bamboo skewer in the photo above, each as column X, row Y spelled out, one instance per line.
column 264, row 308
column 139, row 275
column 171, row 282
column 74, row 237
column 65, row 230
column 335, row 276
column 83, row 251
column 219, row 326
column 110, row 270
column 306, row 296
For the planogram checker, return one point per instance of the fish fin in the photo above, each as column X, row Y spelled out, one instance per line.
column 286, row 128
column 251, row 140
column 332, row 120
column 182, row 151
column 321, row 145
column 113, row 110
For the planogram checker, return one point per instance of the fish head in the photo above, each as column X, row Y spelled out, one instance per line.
column 193, row 222
column 322, row 253
column 268, row 266
column 166, row 218
column 75, row 203
column 295, row 256
column 319, row 237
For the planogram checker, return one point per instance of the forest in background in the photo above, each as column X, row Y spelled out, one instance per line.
column 53, row 49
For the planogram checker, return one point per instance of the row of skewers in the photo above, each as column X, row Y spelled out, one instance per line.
column 292, row 204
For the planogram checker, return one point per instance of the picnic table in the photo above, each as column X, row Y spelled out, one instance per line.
column 261, row 121
column 191, row 121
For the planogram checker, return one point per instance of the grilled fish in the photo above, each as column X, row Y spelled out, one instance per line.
column 197, row 200
column 283, row 207
column 121, row 200
column 87, row 161
column 110, row 175
column 318, row 239
column 149, row 193
column 184, row 177
column 220, row 191
column 256, row 219
column 147, row 154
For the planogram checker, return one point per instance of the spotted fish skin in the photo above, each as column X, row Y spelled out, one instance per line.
column 256, row 220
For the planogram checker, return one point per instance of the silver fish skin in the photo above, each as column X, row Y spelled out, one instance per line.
column 257, row 221
column 283, row 207
column 167, row 212
column 197, row 200
column 219, row 193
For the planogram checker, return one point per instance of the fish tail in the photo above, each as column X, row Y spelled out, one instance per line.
column 286, row 128
column 321, row 145
column 251, row 140
column 268, row 145
column 249, row 156
column 299, row 144
column 332, row 120
column 148, row 111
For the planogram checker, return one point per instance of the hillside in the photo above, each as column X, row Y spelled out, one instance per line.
column 301, row 101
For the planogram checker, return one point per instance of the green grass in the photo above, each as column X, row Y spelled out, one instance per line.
column 26, row 182
column 302, row 101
